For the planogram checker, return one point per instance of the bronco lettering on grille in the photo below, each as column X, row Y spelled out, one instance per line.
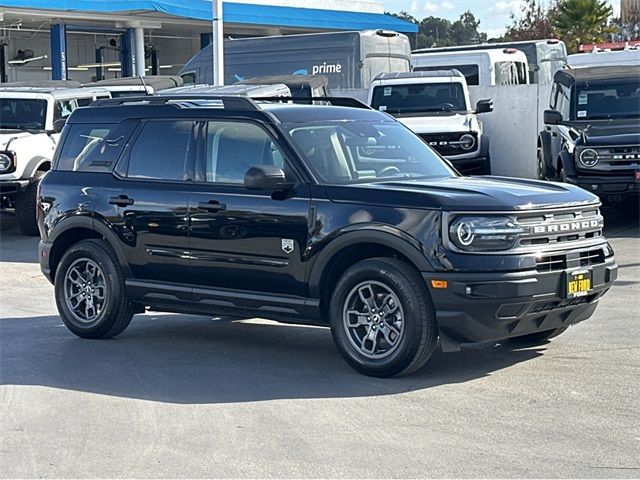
column 567, row 227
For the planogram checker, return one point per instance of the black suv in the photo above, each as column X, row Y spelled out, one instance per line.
column 316, row 214
column 592, row 133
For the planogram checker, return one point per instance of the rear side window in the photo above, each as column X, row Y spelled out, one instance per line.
column 92, row 147
column 470, row 72
column 161, row 150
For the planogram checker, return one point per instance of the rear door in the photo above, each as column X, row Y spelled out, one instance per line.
column 239, row 238
column 146, row 203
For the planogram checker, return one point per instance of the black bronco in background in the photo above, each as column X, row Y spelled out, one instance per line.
column 592, row 133
column 316, row 214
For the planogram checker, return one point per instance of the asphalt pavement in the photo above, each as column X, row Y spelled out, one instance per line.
column 187, row 396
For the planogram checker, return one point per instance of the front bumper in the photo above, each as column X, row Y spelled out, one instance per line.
column 469, row 165
column 478, row 307
column 608, row 185
column 12, row 187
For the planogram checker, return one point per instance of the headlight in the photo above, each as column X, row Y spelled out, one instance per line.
column 477, row 234
column 467, row 141
column 588, row 157
column 6, row 163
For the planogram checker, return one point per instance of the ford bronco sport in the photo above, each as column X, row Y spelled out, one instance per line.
column 316, row 214
column 592, row 134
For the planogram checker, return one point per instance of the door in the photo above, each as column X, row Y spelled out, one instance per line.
column 147, row 203
column 239, row 238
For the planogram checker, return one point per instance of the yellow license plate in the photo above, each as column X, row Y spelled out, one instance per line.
column 579, row 283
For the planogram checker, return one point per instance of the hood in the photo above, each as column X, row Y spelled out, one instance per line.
column 465, row 194
column 6, row 136
column 438, row 123
column 611, row 133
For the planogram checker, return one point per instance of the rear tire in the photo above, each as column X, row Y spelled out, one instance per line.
column 26, row 206
column 538, row 338
column 486, row 166
column 90, row 291
column 382, row 318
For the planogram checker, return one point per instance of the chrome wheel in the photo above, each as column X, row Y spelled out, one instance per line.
column 373, row 319
column 85, row 290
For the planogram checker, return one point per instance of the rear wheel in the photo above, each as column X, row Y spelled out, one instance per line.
column 542, row 171
column 537, row 338
column 26, row 205
column 90, row 291
column 382, row 319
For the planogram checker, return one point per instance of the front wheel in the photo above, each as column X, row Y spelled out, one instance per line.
column 382, row 319
column 90, row 291
column 486, row 166
column 542, row 175
column 26, row 205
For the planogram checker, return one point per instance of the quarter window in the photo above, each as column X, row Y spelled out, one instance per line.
column 62, row 109
column 92, row 147
column 161, row 150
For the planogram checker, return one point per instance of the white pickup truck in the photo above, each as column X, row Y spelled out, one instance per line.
column 31, row 119
column 435, row 105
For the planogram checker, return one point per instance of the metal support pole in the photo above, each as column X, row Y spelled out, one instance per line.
column 100, row 59
column 155, row 62
column 59, row 52
column 3, row 63
column 218, row 46
column 139, row 61
column 127, row 54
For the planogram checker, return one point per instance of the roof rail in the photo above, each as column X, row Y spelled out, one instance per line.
column 336, row 101
column 228, row 101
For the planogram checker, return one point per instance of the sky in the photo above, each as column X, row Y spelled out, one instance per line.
column 493, row 15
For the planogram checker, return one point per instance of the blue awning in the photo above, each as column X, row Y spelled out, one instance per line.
column 242, row 13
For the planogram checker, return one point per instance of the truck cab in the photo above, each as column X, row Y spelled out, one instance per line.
column 435, row 105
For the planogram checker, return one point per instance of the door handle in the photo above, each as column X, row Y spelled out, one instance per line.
column 121, row 201
column 212, row 206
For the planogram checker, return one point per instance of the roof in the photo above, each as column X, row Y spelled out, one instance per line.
column 43, row 84
column 277, row 89
column 419, row 74
column 242, row 13
column 314, row 81
column 58, row 92
column 157, row 82
column 569, row 76
column 300, row 113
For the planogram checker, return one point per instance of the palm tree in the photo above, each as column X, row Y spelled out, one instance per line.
column 582, row 21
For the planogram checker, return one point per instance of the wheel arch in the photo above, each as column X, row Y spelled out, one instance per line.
column 36, row 164
column 74, row 229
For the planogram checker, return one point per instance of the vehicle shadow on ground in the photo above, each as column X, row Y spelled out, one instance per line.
column 622, row 220
column 188, row 359
column 14, row 246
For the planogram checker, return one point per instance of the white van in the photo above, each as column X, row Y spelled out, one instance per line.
column 502, row 66
column 629, row 57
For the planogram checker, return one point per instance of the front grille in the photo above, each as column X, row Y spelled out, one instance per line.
column 570, row 260
column 553, row 305
column 448, row 143
column 560, row 229
column 616, row 158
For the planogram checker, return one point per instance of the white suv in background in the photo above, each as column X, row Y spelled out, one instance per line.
column 31, row 119
column 435, row 105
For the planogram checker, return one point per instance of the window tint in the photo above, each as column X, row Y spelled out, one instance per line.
column 83, row 102
column 19, row 113
column 92, row 147
column 470, row 72
column 419, row 97
column 161, row 150
column 233, row 147
column 563, row 101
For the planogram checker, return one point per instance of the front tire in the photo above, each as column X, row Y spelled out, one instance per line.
column 542, row 170
column 26, row 205
column 90, row 291
column 486, row 166
column 382, row 318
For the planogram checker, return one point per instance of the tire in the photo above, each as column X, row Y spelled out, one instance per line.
column 405, row 335
column 26, row 205
column 542, row 169
column 538, row 338
column 110, row 311
column 562, row 175
column 486, row 167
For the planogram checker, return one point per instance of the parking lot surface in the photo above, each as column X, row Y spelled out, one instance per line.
column 187, row 396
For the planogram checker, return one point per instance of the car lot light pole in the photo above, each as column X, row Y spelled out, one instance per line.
column 217, row 41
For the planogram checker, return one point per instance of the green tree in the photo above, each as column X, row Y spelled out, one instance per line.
column 582, row 21
column 465, row 30
column 533, row 24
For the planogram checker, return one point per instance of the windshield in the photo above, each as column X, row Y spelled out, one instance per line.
column 352, row 152
column 419, row 97
column 611, row 99
column 22, row 113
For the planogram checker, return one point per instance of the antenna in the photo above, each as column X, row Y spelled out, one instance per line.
column 146, row 92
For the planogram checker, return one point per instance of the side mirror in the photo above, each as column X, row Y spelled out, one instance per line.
column 266, row 177
column 58, row 125
column 552, row 117
column 484, row 106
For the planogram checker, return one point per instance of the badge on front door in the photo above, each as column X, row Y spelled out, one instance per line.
column 287, row 245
